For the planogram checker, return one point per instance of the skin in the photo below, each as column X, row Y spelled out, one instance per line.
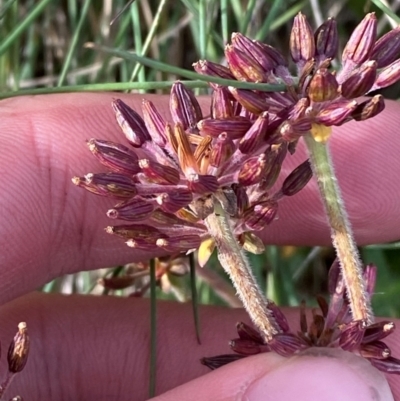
column 96, row 348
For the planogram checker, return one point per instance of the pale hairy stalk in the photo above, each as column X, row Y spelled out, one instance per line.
column 237, row 266
column 341, row 232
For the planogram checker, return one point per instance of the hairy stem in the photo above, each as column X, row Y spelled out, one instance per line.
column 236, row 265
column 342, row 235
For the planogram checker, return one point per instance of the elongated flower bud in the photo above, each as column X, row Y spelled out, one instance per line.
column 132, row 125
column 327, row 39
column 302, row 44
column 118, row 158
column 387, row 48
column 19, row 349
column 297, row 179
column 184, row 107
column 361, row 42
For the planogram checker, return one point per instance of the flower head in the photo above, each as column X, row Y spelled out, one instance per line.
column 317, row 97
column 166, row 180
column 331, row 326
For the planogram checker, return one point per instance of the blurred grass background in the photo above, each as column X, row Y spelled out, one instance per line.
column 42, row 50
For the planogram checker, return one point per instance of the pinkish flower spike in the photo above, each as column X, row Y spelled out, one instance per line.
column 327, row 40
column 297, row 179
column 302, row 44
column 254, row 137
column 323, row 86
column 114, row 185
column 360, row 81
column 135, row 210
column 184, row 107
column 388, row 75
column 235, row 127
column 387, row 48
column 369, row 108
column 251, row 101
column 260, row 215
column 158, row 173
column 132, row 125
column 118, row 158
column 361, row 42
column 155, row 123
column 243, row 66
column 246, row 332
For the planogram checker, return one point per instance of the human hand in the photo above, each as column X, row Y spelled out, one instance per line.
column 97, row 348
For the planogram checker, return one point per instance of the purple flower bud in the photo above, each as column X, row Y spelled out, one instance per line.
column 302, row 44
column 252, row 170
column 275, row 155
column 155, row 123
column 388, row 75
column 286, row 344
column 221, row 104
column 243, row 66
column 222, row 149
column 369, row 108
column 378, row 331
column 158, row 173
column 260, row 215
column 235, row 127
column 254, row 137
column 251, row 101
column 135, row 231
column 253, row 49
column 387, row 48
column 205, row 67
column 245, row 347
column 246, row 332
column 132, row 125
column 376, row 350
column 279, row 317
column 336, row 112
column 323, row 86
column 172, row 201
column 136, row 210
column 327, row 40
column 114, row 185
column 361, row 42
column 360, row 81
column 18, row 351
column 297, row 179
column 242, row 198
column 352, row 335
column 184, row 107
column 202, row 184
column 179, row 243
column 118, row 158
column 388, row 365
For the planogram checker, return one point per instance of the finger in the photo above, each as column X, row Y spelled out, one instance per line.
column 99, row 347
column 49, row 227
column 270, row 377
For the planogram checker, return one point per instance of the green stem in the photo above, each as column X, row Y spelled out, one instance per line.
column 237, row 266
column 341, row 232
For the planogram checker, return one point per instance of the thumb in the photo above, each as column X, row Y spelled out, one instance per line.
column 319, row 374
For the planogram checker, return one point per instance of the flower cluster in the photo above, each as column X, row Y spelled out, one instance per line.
column 332, row 327
column 177, row 178
column 318, row 97
column 166, row 180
